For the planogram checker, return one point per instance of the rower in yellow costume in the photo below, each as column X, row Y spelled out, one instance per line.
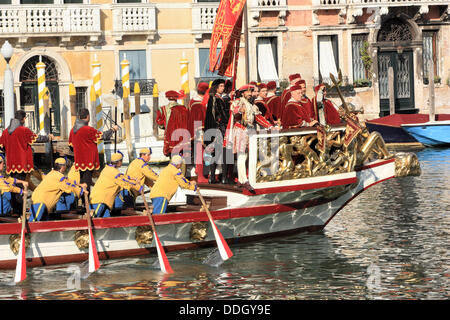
column 47, row 194
column 108, row 185
column 8, row 186
column 140, row 170
column 167, row 184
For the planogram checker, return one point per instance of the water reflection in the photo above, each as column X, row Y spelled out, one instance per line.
column 389, row 243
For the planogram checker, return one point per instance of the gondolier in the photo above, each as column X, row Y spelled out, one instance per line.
column 83, row 139
column 8, row 186
column 108, row 185
column 49, row 191
column 139, row 170
column 167, row 184
column 171, row 117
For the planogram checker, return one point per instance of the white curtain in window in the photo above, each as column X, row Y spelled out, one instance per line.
column 267, row 69
column 326, row 59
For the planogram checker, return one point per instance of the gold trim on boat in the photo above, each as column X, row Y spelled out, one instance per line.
column 14, row 242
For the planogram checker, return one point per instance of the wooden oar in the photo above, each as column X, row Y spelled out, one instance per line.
column 21, row 266
column 94, row 262
column 222, row 245
column 163, row 261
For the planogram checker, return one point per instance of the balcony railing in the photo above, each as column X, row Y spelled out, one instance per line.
column 374, row 3
column 203, row 16
column 24, row 21
column 134, row 19
column 145, row 86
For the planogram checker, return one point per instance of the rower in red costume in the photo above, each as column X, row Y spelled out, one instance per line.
column 273, row 101
column 324, row 110
column 171, row 117
column 196, row 127
column 295, row 115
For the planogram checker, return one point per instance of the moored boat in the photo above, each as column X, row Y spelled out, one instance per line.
column 301, row 179
column 430, row 133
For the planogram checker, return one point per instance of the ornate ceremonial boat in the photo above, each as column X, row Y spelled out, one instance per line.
column 301, row 179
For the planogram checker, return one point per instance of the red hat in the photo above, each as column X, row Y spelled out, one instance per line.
column 253, row 83
column 246, row 87
column 202, row 86
column 317, row 88
column 295, row 87
column 172, row 94
column 271, row 85
column 262, row 86
column 299, row 82
column 294, row 76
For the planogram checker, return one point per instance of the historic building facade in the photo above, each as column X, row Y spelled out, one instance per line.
column 362, row 38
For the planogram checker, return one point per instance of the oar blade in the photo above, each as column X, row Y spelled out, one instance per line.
column 222, row 245
column 21, row 266
column 163, row 261
column 94, row 261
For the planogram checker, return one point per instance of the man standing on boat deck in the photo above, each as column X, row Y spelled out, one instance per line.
column 295, row 114
column 323, row 109
column 139, row 170
column 171, row 117
column 196, row 128
column 108, row 185
column 7, row 188
column 244, row 117
column 47, row 194
column 16, row 140
column 273, row 101
column 167, row 184
column 84, row 138
column 286, row 94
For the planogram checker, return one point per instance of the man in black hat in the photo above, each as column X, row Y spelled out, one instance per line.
column 216, row 121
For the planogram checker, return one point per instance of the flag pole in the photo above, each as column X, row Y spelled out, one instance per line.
column 247, row 55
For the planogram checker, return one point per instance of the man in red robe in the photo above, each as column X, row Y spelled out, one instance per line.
column 171, row 117
column 305, row 101
column 260, row 102
column 273, row 101
column 324, row 110
column 286, row 95
column 295, row 115
column 16, row 141
column 196, row 127
column 84, row 139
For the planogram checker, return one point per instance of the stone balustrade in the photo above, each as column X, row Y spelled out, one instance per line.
column 134, row 19
column 58, row 20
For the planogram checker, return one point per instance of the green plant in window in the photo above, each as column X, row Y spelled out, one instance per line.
column 366, row 57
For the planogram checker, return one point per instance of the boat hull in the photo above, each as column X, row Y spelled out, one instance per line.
column 268, row 213
column 432, row 134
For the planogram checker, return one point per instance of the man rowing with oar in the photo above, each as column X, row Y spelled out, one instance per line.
column 7, row 187
column 139, row 170
column 47, row 194
column 167, row 184
column 108, row 185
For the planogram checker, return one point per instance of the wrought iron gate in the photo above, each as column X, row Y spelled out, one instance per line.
column 402, row 64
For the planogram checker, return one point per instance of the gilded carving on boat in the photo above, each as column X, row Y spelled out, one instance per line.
column 407, row 164
column 14, row 242
column 82, row 239
column 198, row 231
column 143, row 235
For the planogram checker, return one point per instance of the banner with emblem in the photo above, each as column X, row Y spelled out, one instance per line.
column 351, row 131
column 227, row 29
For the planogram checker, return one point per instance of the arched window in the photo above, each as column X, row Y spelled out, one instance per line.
column 29, row 71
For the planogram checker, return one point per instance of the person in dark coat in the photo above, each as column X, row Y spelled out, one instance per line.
column 216, row 121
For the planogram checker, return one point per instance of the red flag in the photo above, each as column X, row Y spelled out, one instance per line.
column 227, row 28
column 351, row 131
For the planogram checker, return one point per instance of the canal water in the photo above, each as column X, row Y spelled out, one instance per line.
column 391, row 242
